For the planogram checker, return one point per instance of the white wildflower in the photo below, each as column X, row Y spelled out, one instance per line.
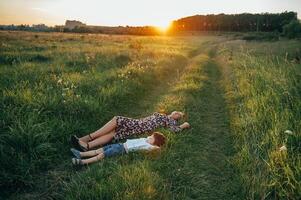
column 289, row 132
column 283, row 148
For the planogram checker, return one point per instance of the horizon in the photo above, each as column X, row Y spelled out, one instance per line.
column 137, row 25
column 97, row 13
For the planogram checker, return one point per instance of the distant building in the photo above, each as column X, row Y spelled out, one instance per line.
column 39, row 27
column 59, row 28
column 71, row 24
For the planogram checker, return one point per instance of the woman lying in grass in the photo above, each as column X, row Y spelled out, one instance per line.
column 123, row 127
column 153, row 142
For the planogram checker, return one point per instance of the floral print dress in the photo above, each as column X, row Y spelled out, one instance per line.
column 128, row 126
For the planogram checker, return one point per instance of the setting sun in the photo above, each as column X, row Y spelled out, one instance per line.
column 164, row 27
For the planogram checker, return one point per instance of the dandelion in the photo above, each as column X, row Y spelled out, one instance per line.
column 87, row 58
column 289, row 132
column 283, row 148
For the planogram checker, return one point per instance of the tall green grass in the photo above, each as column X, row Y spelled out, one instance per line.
column 55, row 85
column 85, row 80
column 264, row 93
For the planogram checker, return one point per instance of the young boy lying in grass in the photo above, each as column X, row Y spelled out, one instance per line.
column 153, row 142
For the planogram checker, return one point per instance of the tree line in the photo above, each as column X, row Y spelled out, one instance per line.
column 285, row 23
column 121, row 30
column 265, row 22
column 130, row 30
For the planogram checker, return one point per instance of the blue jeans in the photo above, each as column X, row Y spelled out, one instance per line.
column 113, row 150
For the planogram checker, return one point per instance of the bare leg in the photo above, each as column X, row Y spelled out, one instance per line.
column 85, row 138
column 93, row 159
column 107, row 128
column 102, row 140
column 91, row 153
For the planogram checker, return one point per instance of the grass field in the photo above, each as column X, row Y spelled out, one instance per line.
column 240, row 98
column 264, row 91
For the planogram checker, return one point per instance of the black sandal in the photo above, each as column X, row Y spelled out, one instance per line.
column 75, row 142
column 84, row 148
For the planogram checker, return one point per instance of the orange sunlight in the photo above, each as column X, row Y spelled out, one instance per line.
column 164, row 27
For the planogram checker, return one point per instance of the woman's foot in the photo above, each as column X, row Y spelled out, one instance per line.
column 83, row 146
column 76, row 153
column 74, row 140
column 76, row 161
column 78, row 144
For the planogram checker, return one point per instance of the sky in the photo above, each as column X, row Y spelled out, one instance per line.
column 130, row 12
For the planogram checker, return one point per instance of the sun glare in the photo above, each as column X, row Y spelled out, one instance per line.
column 164, row 27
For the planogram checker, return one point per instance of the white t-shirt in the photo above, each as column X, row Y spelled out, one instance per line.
column 138, row 144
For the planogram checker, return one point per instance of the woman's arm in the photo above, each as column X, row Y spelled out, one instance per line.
column 185, row 125
column 176, row 129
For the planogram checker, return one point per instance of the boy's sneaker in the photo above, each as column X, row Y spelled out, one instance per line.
column 76, row 161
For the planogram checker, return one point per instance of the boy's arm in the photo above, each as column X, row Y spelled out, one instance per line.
column 154, row 148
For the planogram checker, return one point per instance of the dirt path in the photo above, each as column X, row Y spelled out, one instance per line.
column 199, row 159
column 217, row 178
